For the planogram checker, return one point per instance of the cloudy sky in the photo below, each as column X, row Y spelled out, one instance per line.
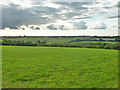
column 54, row 18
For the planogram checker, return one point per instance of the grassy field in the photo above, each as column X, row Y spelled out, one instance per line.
column 59, row 67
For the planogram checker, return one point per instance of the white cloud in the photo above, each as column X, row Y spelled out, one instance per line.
column 99, row 25
column 52, row 5
column 79, row 25
column 22, row 3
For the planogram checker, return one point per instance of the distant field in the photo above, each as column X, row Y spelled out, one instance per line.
column 48, row 40
column 61, row 40
column 109, row 42
column 59, row 67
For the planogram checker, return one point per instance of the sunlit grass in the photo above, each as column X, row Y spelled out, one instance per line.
column 57, row 67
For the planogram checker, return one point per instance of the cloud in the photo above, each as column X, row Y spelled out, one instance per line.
column 29, row 27
column 115, row 26
column 31, row 12
column 81, row 17
column 62, row 27
column 52, row 27
column 13, row 16
column 74, row 25
column 52, row 5
column 34, row 27
column 58, row 27
column 79, row 25
column 37, row 28
column 112, row 17
column 100, row 25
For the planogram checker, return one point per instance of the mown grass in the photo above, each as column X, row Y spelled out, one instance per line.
column 59, row 67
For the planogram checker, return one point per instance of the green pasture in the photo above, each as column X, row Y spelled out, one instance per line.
column 59, row 67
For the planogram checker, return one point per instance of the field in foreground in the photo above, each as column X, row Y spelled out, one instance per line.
column 59, row 67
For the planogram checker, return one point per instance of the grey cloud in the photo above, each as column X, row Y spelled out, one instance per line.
column 13, row 16
column 44, row 9
column 67, row 15
column 52, row 27
column 113, row 17
column 58, row 27
column 62, row 27
column 34, row 27
column 75, row 6
column 115, row 26
column 37, row 28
